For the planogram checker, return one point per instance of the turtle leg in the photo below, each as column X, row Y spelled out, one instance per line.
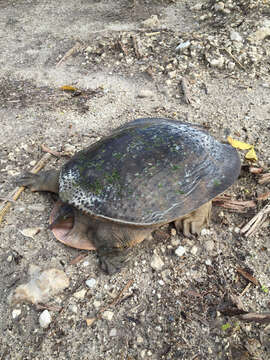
column 113, row 243
column 193, row 222
column 44, row 181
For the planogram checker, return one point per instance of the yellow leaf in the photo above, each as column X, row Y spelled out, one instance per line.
column 251, row 155
column 239, row 144
column 68, row 88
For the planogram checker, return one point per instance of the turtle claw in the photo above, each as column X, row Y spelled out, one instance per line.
column 29, row 180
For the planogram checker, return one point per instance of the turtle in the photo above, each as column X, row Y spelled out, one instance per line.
column 146, row 173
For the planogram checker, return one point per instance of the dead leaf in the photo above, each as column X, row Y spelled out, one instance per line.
column 248, row 276
column 30, row 232
column 250, row 155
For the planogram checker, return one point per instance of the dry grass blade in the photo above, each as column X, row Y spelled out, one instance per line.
column 256, row 221
column 70, row 52
column 18, row 190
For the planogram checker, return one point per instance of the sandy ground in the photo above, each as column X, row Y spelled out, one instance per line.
column 125, row 69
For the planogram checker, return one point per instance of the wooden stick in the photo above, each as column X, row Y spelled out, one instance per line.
column 14, row 195
column 256, row 221
column 263, row 318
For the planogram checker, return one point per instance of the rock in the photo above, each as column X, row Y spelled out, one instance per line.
column 175, row 241
column 9, row 258
column 97, row 304
column 151, row 22
column 113, row 332
column 208, row 262
column 217, row 62
column 73, row 308
column 45, row 319
column 145, row 93
column 41, row 287
column 165, row 274
column 91, row 283
column 219, row 6
column 139, row 339
column 209, row 245
column 156, row 262
column 259, row 35
column 235, row 36
column 16, row 313
column 30, row 232
column 80, row 294
column 194, row 250
column 180, row 251
column 182, row 46
column 197, row 7
column 107, row 315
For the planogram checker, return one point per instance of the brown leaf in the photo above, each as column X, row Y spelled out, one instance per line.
column 77, row 259
column 248, row 276
column 264, row 178
column 264, row 196
column 255, row 170
column 227, row 202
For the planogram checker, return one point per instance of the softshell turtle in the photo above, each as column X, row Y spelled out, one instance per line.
column 147, row 173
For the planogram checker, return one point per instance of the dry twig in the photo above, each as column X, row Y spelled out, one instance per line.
column 256, row 221
column 136, row 47
column 264, row 178
column 257, row 317
column 14, row 195
column 234, row 58
column 226, row 201
column 70, row 52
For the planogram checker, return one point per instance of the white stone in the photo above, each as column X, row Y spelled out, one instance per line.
column 194, row 250
column 113, row 332
column 97, row 304
column 157, row 263
column 235, row 36
column 139, row 339
column 180, row 251
column 145, row 93
column 91, row 283
column 16, row 313
column 45, row 319
column 219, row 6
column 108, row 315
column 73, row 308
column 208, row 262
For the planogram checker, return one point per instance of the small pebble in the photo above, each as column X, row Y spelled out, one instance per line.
column 175, row 241
column 139, row 339
column 145, row 93
column 9, row 258
column 180, row 251
column 113, row 332
column 108, row 315
column 209, row 245
column 16, row 313
column 156, row 262
column 208, row 262
column 45, row 319
column 73, row 308
column 235, row 36
column 91, row 283
column 97, row 304
column 80, row 294
column 194, row 250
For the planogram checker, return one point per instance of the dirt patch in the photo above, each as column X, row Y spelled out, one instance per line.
column 126, row 63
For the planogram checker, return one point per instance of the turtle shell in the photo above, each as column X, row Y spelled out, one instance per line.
column 150, row 171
